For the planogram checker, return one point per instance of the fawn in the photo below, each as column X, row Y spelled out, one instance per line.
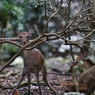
column 34, row 62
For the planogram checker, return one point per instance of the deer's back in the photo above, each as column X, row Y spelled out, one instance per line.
column 33, row 59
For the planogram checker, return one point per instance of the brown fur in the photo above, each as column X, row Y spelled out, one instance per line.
column 33, row 63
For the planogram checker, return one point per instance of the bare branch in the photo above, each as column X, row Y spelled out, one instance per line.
column 81, row 11
column 14, row 43
column 17, row 54
column 44, row 30
column 86, row 35
column 10, row 39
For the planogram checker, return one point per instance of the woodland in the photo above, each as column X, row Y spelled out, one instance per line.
column 63, row 31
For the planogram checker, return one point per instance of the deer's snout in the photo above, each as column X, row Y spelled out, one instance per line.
column 24, row 41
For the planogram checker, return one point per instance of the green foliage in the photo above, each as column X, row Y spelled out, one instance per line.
column 37, row 4
column 10, row 12
column 9, row 50
column 20, row 14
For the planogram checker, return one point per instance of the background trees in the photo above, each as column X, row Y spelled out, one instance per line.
column 66, row 28
column 73, row 20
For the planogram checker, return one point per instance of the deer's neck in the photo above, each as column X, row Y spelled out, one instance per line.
column 27, row 54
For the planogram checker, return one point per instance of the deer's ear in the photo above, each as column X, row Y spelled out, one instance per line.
column 31, row 32
column 16, row 32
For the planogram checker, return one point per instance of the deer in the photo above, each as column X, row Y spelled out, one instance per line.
column 87, row 63
column 34, row 62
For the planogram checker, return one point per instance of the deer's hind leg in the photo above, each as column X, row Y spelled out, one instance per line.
column 37, row 78
column 44, row 73
column 21, row 79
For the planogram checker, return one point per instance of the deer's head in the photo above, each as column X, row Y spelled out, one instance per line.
column 24, row 36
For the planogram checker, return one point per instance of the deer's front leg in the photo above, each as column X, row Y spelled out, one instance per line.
column 21, row 79
column 29, row 80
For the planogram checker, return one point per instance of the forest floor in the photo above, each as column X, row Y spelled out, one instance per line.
column 10, row 77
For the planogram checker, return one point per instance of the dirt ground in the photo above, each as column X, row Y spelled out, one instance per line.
column 10, row 77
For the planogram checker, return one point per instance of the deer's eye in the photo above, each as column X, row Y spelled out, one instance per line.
column 27, row 36
column 20, row 36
